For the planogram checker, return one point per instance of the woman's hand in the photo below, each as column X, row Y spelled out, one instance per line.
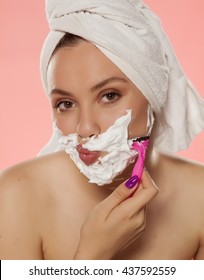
column 116, row 222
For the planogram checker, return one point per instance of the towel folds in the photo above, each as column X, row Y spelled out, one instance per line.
column 131, row 36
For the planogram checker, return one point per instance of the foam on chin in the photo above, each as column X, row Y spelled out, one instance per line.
column 114, row 141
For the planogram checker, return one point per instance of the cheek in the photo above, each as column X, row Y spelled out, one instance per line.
column 67, row 123
column 138, row 124
column 108, row 118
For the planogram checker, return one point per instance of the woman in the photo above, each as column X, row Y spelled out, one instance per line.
column 110, row 101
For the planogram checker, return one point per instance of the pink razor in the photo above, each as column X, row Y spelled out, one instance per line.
column 140, row 145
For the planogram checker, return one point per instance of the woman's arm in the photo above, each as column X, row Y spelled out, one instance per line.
column 19, row 235
column 116, row 222
column 199, row 206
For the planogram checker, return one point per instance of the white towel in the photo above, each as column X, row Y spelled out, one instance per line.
column 131, row 36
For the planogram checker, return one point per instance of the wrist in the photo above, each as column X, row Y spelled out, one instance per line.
column 90, row 254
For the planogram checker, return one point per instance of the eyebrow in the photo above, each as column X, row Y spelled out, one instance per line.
column 94, row 88
column 106, row 81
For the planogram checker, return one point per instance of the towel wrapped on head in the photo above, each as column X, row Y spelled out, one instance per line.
column 131, row 36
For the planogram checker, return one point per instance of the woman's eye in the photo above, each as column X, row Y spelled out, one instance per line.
column 110, row 97
column 64, row 106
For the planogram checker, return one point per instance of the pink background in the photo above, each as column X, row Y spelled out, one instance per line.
column 25, row 116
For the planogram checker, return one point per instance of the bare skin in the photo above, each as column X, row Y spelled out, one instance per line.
column 49, row 210
column 43, row 208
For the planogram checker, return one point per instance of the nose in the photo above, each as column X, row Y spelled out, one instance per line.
column 87, row 126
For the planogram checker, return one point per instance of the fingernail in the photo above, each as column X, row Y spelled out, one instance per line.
column 132, row 182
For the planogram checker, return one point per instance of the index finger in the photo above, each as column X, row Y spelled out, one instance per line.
column 142, row 197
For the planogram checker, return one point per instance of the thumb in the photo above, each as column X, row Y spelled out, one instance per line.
column 121, row 193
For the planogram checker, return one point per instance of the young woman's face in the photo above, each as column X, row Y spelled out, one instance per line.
column 88, row 93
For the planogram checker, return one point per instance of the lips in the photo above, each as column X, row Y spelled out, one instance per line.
column 87, row 156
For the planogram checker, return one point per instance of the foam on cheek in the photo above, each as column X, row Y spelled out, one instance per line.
column 113, row 142
column 114, row 136
column 115, row 145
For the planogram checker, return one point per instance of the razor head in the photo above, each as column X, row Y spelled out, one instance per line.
column 140, row 139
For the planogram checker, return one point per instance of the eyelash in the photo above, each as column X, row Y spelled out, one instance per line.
column 116, row 94
column 59, row 103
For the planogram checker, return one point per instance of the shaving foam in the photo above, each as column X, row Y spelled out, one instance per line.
column 114, row 142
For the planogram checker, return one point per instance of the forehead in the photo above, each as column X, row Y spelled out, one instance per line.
column 81, row 63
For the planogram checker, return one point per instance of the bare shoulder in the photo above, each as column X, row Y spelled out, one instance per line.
column 188, row 172
column 24, row 191
column 33, row 180
column 187, row 182
column 40, row 169
column 184, row 177
column 26, row 168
